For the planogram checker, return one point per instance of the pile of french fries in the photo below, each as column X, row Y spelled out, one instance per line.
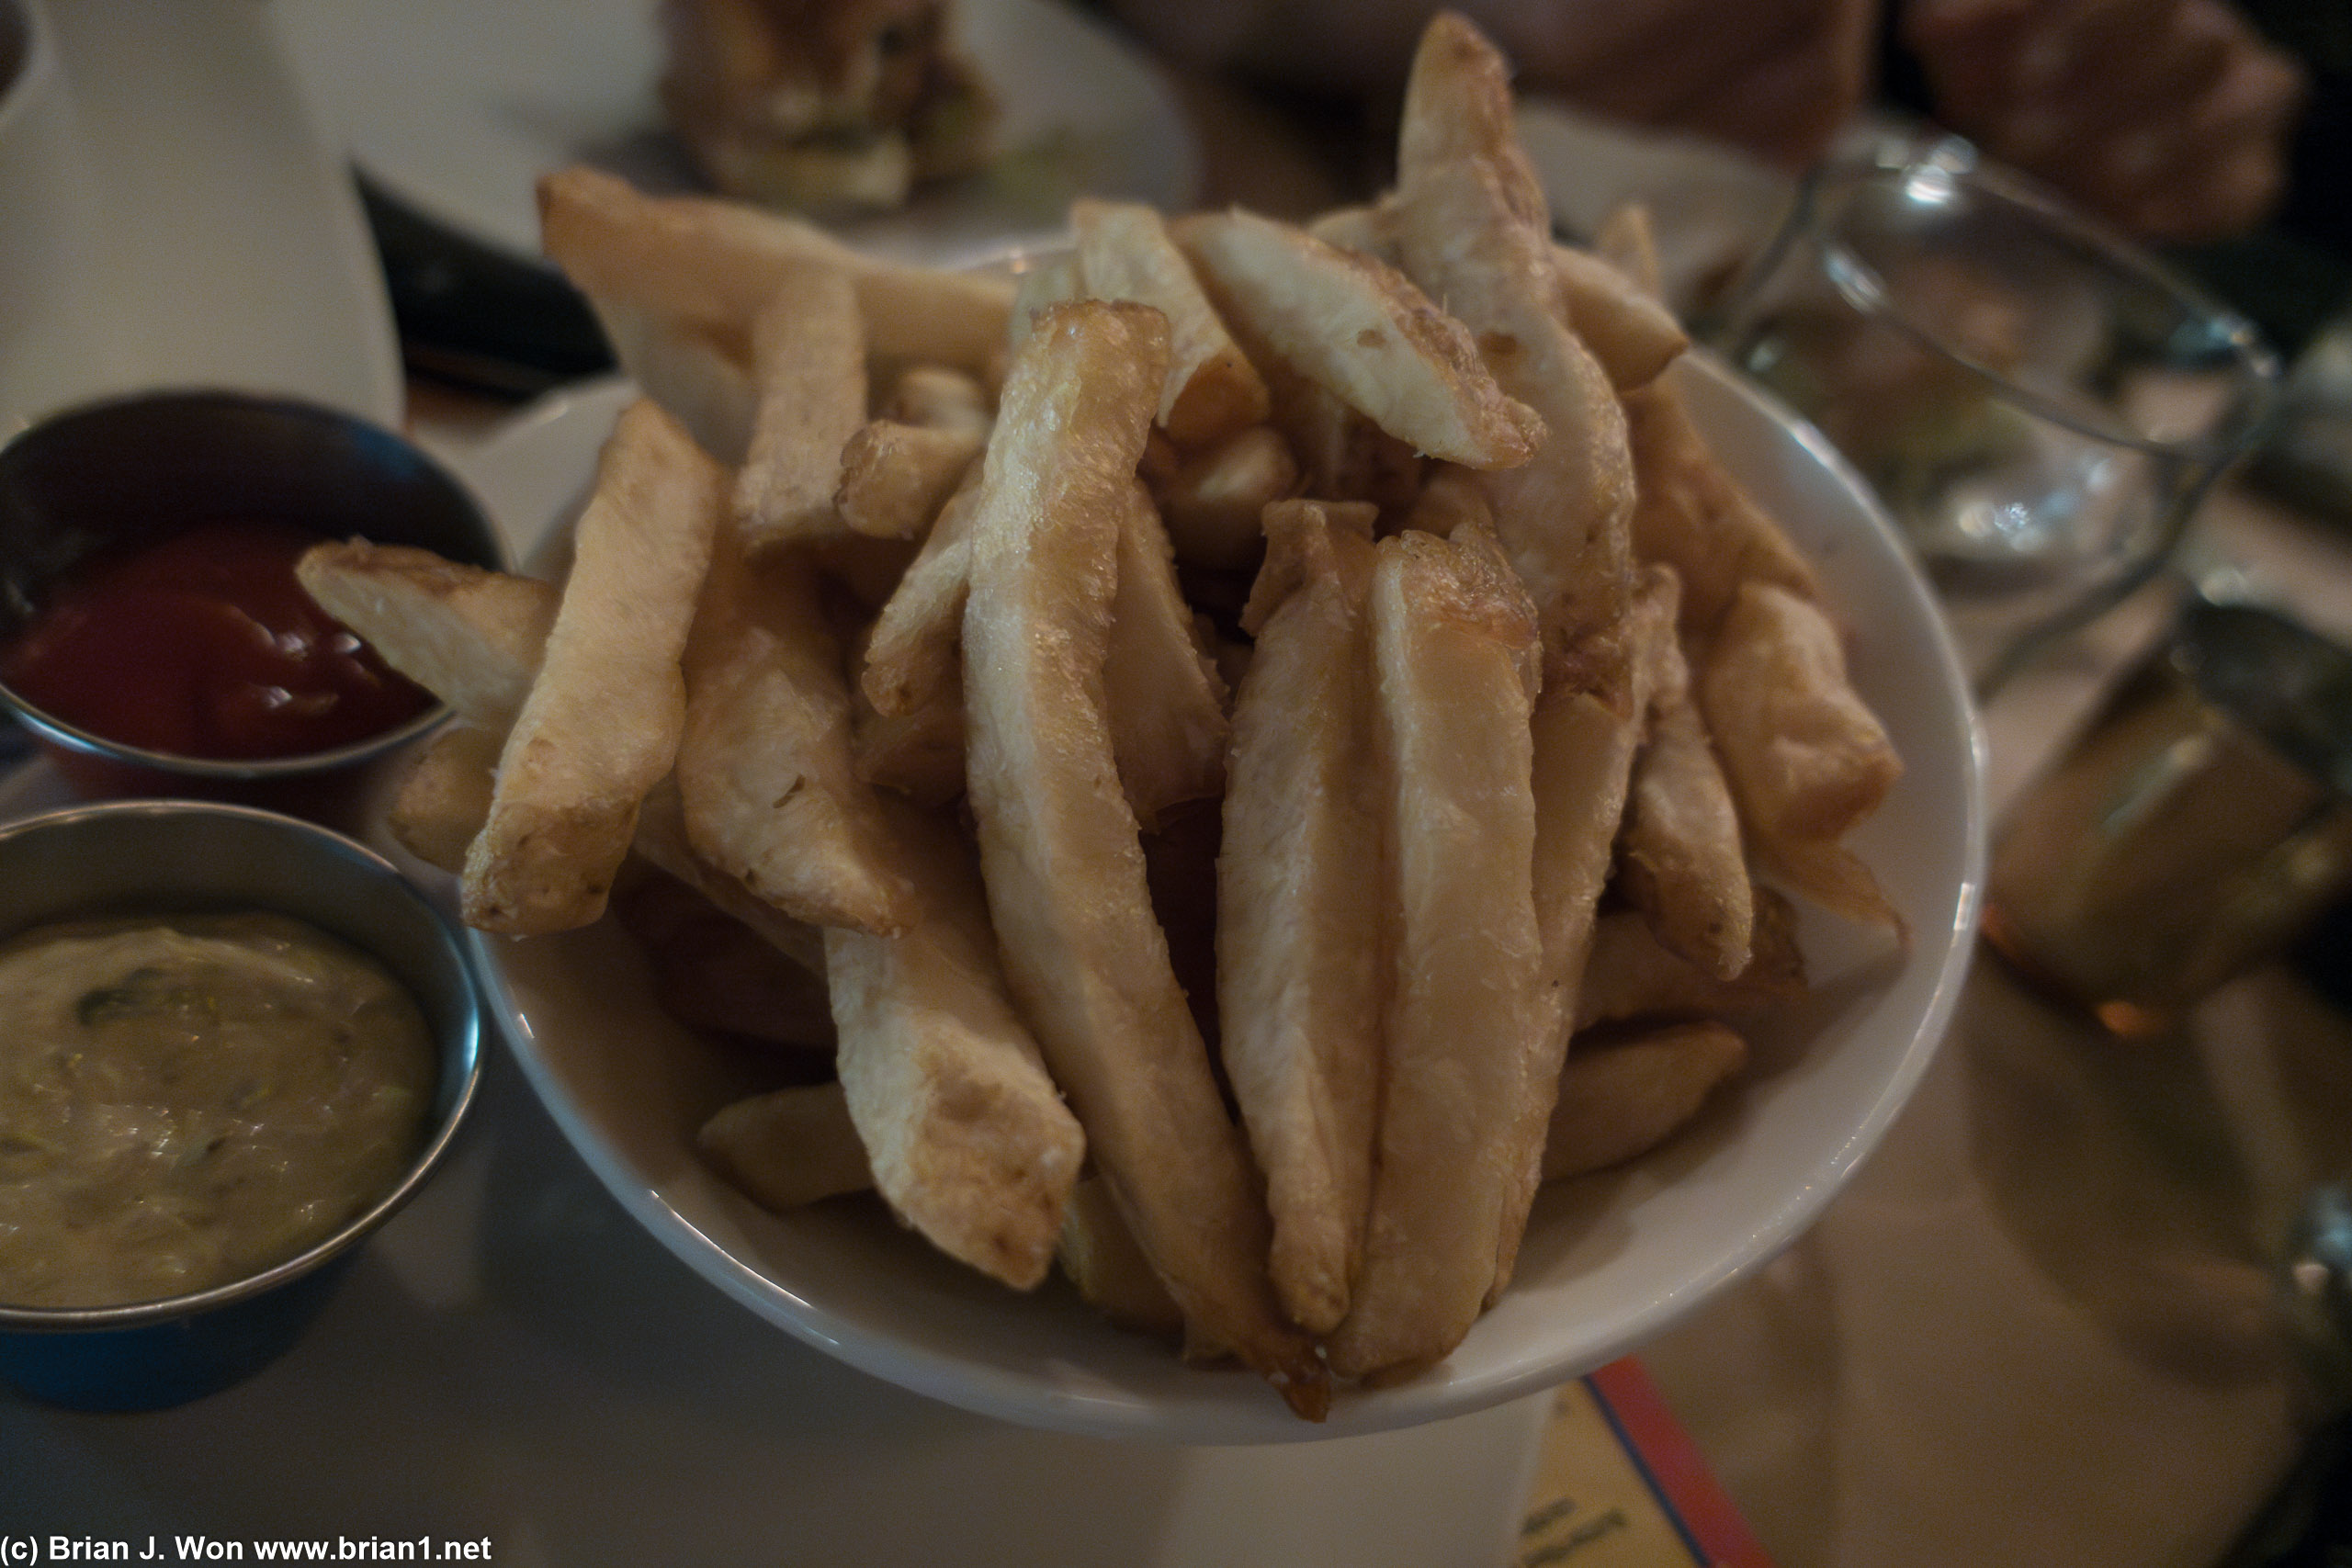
column 1250, row 747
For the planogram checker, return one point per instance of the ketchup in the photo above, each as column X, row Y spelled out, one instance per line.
column 205, row 644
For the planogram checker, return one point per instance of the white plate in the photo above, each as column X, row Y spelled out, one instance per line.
column 219, row 242
column 458, row 105
column 1608, row 1261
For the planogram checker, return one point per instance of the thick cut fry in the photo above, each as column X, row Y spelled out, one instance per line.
column 1628, row 242
column 917, row 754
column 712, row 971
column 1451, row 632
column 937, row 397
column 1679, row 856
column 1693, row 516
column 1300, row 883
column 789, row 1147
column 1362, row 328
column 969, row 1142
column 764, row 771
column 1164, row 697
column 686, row 367
column 1626, row 1097
column 1100, row 1255
column 1473, row 233
column 601, row 726
column 469, row 636
column 910, row 656
column 895, row 478
column 661, row 843
column 1212, row 502
column 444, row 797
column 1124, row 252
column 1632, row 974
column 808, row 364
column 717, row 264
column 1807, row 759
column 1065, row 870
column 1633, row 335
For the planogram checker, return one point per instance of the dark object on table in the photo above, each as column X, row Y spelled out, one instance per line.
column 477, row 317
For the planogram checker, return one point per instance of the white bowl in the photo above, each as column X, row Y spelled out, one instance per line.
column 1609, row 1260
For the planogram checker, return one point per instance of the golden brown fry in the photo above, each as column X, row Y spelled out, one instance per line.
column 1633, row 335
column 1473, row 233
column 1693, row 516
column 1679, row 856
column 1628, row 242
column 661, row 843
column 1632, row 974
column 1049, row 280
column 1360, row 328
column 938, row 398
column 764, row 770
column 910, row 657
column 469, row 636
column 601, row 726
column 705, row 382
column 1364, row 228
column 1806, row 758
column 1211, row 502
column 1625, row 1096
column 1299, row 904
column 895, row 478
column 1164, row 698
column 1124, row 252
column 1064, row 869
column 444, row 797
column 917, row 754
column 808, row 366
column 969, row 1141
column 717, row 264
column 1100, row 1255
column 1451, row 632
column 787, row 1148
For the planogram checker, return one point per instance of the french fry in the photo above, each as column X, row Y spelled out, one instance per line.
column 1049, row 280
column 1624, row 1098
column 968, row 1138
column 764, row 771
column 712, row 971
column 789, row 1147
column 1064, row 868
column 1633, row 335
column 1452, row 634
column 912, row 655
column 705, row 382
column 1693, row 516
column 1100, row 1255
column 917, row 754
column 601, row 723
column 1362, row 328
column 1679, row 856
column 1628, row 242
column 469, row 636
column 444, row 799
column 1125, row 251
column 661, row 843
column 1632, row 975
column 1473, row 233
column 1806, row 758
column 895, row 477
column 938, row 398
column 1163, row 696
column 1300, row 883
column 1212, row 502
column 808, row 367
column 718, row 264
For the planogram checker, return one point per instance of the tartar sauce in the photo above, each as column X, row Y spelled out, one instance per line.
column 185, row 1101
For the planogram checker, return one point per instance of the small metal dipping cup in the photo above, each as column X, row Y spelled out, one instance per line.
column 2196, row 825
column 164, row 857
column 144, row 467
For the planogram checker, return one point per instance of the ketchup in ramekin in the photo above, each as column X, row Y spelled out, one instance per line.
column 202, row 644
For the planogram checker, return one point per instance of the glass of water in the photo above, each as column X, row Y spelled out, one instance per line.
column 2040, row 404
